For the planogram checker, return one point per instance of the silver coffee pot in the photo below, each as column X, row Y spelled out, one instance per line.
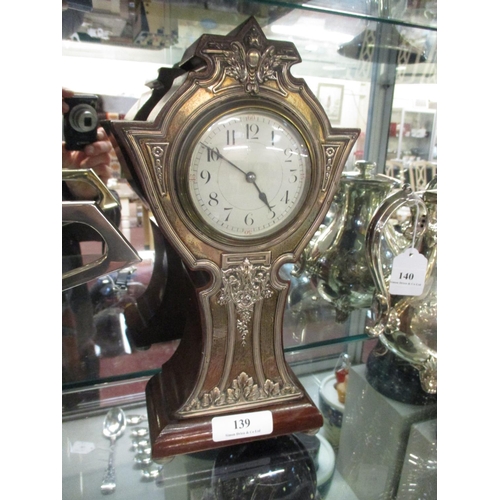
column 403, row 366
column 334, row 263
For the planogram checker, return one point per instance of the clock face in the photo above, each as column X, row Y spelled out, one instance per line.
column 249, row 173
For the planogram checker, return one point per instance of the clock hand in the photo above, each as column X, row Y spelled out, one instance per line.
column 262, row 196
column 222, row 157
column 250, row 176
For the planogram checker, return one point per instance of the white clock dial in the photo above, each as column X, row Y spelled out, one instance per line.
column 249, row 173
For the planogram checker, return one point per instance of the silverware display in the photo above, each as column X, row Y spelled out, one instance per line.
column 404, row 364
column 141, row 445
column 136, row 419
column 140, row 432
column 113, row 427
column 334, row 263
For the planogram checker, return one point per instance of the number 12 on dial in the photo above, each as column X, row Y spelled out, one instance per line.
column 249, row 174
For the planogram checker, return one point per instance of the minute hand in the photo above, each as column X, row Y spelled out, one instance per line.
column 249, row 176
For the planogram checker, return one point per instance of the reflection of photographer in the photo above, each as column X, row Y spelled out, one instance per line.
column 95, row 155
column 88, row 148
column 81, row 121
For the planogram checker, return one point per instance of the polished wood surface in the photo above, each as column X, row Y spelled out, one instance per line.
column 171, row 436
column 167, row 393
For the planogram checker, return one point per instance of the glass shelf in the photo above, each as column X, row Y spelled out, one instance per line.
column 419, row 16
column 85, row 453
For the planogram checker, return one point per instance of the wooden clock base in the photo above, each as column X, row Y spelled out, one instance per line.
column 227, row 374
column 172, row 436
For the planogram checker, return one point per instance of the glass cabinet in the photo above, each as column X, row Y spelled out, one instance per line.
column 373, row 66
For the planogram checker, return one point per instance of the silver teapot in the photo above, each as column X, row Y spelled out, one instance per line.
column 334, row 263
column 403, row 366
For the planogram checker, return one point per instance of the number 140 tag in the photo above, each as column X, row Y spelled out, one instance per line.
column 408, row 273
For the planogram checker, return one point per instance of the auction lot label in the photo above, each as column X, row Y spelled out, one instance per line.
column 243, row 425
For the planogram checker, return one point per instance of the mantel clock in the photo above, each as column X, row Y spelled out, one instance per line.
column 239, row 165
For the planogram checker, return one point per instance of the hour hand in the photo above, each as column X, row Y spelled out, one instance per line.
column 250, row 176
column 263, row 197
column 252, row 179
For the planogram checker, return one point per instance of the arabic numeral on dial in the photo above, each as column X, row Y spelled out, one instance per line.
column 205, row 175
column 213, row 201
column 249, row 219
column 277, row 137
column 293, row 177
column 213, row 154
column 231, row 137
column 288, row 153
column 285, row 199
column 228, row 210
column 252, row 131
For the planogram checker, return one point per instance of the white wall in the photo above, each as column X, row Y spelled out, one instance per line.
column 414, row 96
column 109, row 70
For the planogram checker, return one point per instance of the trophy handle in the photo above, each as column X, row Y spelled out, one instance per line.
column 118, row 252
column 380, row 231
column 392, row 310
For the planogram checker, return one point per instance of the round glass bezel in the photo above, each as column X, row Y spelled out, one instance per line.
column 196, row 222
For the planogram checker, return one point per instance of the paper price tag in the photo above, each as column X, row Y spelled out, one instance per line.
column 242, row 425
column 408, row 273
column 82, row 447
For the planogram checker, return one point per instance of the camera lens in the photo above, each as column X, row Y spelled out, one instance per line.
column 83, row 118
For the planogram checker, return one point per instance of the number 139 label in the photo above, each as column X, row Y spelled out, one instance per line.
column 243, row 425
column 408, row 273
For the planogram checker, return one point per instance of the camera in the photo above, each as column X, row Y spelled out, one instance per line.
column 81, row 121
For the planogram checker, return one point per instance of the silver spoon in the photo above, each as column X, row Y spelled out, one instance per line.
column 143, row 449
column 113, row 427
column 143, row 459
column 150, row 473
column 140, row 432
column 140, row 442
column 136, row 419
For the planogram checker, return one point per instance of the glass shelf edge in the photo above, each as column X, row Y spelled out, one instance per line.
column 356, row 15
column 127, row 378
column 323, row 343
